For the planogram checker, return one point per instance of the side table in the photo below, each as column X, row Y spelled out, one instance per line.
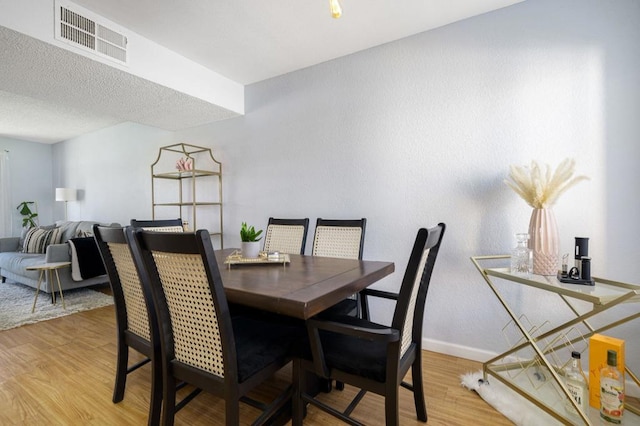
column 50, row 268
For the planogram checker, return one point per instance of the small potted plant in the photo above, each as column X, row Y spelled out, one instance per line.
column 250, row 241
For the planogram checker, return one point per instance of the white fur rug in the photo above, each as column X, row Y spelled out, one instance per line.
column 510, row 404
column 16, row 301
column 522, row 412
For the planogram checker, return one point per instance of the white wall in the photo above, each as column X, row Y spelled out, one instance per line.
column 111, row 169
column 421, row 131
column 31, row 171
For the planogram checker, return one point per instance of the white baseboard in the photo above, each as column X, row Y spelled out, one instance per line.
column 479, row 355
column 459, row 351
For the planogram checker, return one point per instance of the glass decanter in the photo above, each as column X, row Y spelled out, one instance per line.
column 522, row 256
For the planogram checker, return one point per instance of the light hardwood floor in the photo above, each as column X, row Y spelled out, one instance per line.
column 61, row 372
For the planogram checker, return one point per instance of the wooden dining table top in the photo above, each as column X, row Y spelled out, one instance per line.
column 302, row 288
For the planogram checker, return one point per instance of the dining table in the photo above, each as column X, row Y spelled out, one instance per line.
column 300, row 288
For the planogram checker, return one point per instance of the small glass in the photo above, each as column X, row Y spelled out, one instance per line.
column 522, row 256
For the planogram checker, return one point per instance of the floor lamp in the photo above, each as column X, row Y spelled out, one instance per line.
column 66, row 195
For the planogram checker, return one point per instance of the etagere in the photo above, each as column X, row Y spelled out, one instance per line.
column 186, row 180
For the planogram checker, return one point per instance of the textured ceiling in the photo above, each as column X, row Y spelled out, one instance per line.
column 48, row 94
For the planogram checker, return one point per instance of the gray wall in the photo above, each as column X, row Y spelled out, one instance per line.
column 420, row 131
column 31, row 172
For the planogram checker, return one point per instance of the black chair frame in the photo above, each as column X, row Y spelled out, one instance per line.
column 155, row 223
column 125, row 338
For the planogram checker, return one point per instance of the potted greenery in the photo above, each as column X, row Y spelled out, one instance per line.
column 250, row 241
column 28, row 216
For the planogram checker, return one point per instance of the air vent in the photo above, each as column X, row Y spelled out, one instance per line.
column 91, row 35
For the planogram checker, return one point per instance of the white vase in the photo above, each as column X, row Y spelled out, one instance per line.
column 544, row 242
column 250, row 249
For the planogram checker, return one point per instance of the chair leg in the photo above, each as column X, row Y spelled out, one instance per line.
column 122, row 362
column 325, row 385
column 418, row 389
column 391, row 407
column 168, row 399
column 155, row 404
column 232, row 411
column 363, row 306
column 297, row 413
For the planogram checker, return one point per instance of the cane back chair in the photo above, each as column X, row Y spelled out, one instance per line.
column 201, row 344
column 343, row 238
column 371, row 356
column 286, row 235
column 339, row 238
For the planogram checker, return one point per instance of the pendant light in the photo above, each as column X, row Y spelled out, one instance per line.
column 336, row 10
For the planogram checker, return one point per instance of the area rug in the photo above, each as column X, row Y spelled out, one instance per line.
column 16, row 301
column 513, row 406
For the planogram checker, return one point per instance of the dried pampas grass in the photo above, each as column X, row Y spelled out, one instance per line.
column 538, row 186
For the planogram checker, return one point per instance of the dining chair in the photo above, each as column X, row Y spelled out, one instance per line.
column 159, row 225
column 343, row 238
column 201, row 344
column 133, row 319
column 286, row 235
column 371, row 356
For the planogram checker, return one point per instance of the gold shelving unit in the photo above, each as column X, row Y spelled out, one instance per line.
column 195, row 195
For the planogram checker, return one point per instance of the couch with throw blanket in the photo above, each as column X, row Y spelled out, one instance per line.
column 66, row 241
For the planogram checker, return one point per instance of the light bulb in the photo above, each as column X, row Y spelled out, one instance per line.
column 336, row 10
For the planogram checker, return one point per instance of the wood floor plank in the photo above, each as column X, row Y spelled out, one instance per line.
column 61, row 372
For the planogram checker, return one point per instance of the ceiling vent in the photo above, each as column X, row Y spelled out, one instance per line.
column 89, row 34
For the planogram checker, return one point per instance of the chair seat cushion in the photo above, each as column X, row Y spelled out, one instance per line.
column 260, row 342
column 352, row 355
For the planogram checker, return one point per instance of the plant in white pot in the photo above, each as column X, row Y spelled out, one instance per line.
column 250, row 241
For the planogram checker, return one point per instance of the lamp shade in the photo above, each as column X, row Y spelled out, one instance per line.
column 66, row 194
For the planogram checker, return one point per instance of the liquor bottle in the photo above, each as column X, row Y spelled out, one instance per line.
column 576, row 384
column 522, row 256
column 611, row 390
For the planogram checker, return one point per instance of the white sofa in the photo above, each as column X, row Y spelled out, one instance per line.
column 13, row 262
